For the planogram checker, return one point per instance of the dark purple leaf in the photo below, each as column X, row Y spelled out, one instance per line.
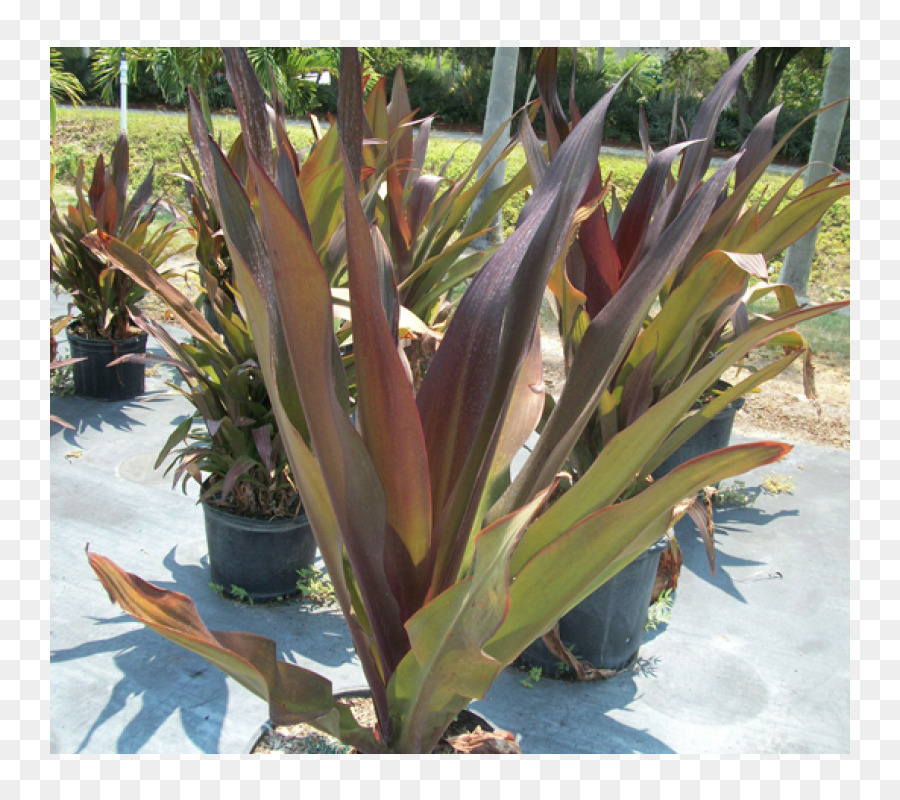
column 248, row 99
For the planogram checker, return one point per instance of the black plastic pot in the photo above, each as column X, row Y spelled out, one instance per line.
column 260, row 556
column 715, row 435
column 607, row 627
column 94, row 378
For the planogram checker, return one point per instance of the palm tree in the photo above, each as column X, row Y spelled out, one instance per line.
column 176, row 69
column 63, row 86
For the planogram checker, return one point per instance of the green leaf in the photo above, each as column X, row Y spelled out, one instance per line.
column 566, row 570
column 446, row 667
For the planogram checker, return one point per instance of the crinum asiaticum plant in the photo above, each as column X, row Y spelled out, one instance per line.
column 231, row 445
column 701, row 308
column 436, row 602
column 703, row 304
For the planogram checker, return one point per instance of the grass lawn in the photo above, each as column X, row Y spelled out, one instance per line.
column 158, row 139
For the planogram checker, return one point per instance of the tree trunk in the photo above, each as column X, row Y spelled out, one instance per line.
column 826, row 137
column 598, row 66
column 768, row 67
column 526, row 58
column 499, row 109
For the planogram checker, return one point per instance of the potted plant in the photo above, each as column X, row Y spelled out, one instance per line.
column 257, row 535
column 423, row 219
column 699, row 311
column 440, row 589
column 103, row 296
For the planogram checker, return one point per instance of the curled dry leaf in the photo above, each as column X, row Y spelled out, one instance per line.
column 584, row 669
column 482, row 742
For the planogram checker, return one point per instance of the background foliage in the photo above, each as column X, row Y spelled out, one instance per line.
column 453, row 82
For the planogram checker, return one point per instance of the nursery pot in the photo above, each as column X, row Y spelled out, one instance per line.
column 465, row 720
column 260, row 556
column 94, row 378
column 715, row 435
column 607, row 627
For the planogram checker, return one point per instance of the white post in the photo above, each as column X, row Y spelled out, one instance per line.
column 499, row 107
column 123, row 94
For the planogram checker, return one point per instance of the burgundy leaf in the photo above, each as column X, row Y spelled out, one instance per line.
column 350, row 110
column 555, row 118
column 468, row 385
column 386, row 396
column 262, row 438
column 248, row 99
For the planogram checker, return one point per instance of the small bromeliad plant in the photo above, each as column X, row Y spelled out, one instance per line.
column 231, row 445
column 440, row 589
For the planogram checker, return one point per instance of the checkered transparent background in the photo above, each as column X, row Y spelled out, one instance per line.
column 32, row 27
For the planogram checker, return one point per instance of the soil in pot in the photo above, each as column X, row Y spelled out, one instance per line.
column 605, row 631
column 261, row 557
column 94, row 377
column 304, row 739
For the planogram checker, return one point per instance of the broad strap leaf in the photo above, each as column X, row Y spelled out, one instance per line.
column 350, row 110
column 468, row 385
column 389, row 421
column 248, row 99
column 304, row 299
column 294, row 694
column 565, row 571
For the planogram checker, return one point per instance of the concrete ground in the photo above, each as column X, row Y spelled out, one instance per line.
column 755, row 659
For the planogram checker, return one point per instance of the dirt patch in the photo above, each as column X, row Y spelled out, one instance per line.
column 779, row 410
column 465, row 735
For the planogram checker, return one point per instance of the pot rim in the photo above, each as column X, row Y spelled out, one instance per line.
column 71, row 334
column 300, row 518
column 358, row 691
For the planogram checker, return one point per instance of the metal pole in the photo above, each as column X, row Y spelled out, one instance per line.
column 123, row 94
